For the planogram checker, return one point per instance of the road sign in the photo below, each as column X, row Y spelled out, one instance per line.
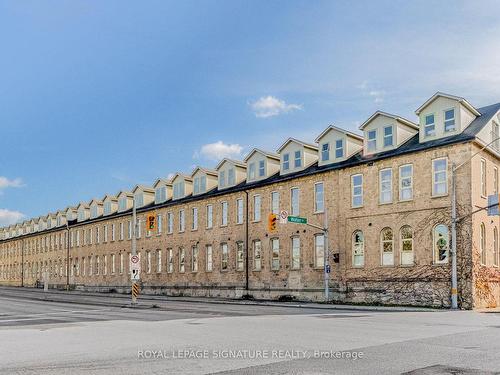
column 271, row 222
column 151, row 222
column 327, row 268
column 134, row 259
column 283, row 217
column 493, row 205
column 297, row 219
column 135, row 275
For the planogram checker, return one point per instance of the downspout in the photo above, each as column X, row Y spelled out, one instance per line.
column 246, row 243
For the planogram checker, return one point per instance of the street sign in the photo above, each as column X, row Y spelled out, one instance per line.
column 134, row 259
column 283, row 217
column 493, row 205
column 135, row 275
column 297, row 219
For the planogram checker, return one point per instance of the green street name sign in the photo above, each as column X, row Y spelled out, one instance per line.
column 296, row 219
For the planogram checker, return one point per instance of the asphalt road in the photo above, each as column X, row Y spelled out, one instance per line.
column 58, row 333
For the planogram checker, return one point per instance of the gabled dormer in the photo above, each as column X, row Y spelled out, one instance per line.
column 163, row 190
column 125, row 201
column 51, row 221
column 33, row 225
column 60, row 218
column 296, row 155
column 182, row 186
column 96, row 208
column 70, row 213
column 143, row 195
column 384, row 131
column 230, row 173
column 203, row 180
column 17, row 229
column 109, row 205
column 443, row 115
column 82, row 212
column 26, row 227
column 336, row 145
column 261, row 164
column 42, row 225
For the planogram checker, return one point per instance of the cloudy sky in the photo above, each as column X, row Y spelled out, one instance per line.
column 97, row 96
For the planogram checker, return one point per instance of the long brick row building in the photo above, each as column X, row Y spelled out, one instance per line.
column 388, row 198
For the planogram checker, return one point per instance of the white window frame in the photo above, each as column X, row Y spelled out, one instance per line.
column 387, row 136
column 295, row 253
column 319, row 205
column 319, row 251
column 257, row 255
column 294, row 203
column 407, row 258
column 224, row 257
column 449, row 120
column 297, row 161
column 275, row 203
column 194, row 216
column 427, row 127
column 341, row 148
column 382, row 199
column 239, row 211
column 402, row 188
column 275, row 253
column 371, row 142
column 325, row 151
column 210, row 216
column 182, row 221
column 209, row 258
column 387, row 257
column 224, row 213
column 286, row 161
column 445, row 180
column 353, row 194
column 257, row 207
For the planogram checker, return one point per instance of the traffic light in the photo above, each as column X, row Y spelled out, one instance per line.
column 151, row 222
column 272, row 222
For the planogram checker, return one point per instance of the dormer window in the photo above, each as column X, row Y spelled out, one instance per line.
column 388, row 136
column 262, row 168
column 495, row 135
column 93, row 211
column 160, row 194
column 286, row 162
column 430, row 126
column 231, row 180
column 81, row 215
column 325, row 152
column 49, row 223
column 372, row 140
column 107, row 208
column 122, row 204
column 178, row 190
column 298, row 159
column 449, row 120
column 339, row 148
column 222, row 179
column 139, row 200
column 251, row 171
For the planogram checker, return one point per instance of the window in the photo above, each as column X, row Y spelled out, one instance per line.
column 357, row 190
column 130, row 229
column 159, row 219
column 170, row 260
column 319, row 204
column 182, row 260
column 178, row 190
column 449, row 120
column 257, row 255
column 385, row 185
column 158, row 261
column 256, row 207
column 295, row 253
column 406, row 182
column 440, row 177
column 275, row 254
column 275, row 202
column 113, row 264
column 358, row 249
column 372, row 140
column 325, row 152
column 194, row 222
column 262, row 168
column 182, row 222
column 495, row 180
column 121, row 232
column 286, row 162
column 224, row 214
column 482, row 243
column 200, row 184
column 298, row 159
column 388, row 139
column 105, row 233
column 93, row 211
column 160, row 194
column 121, row 263
column 170, row 222
column 294, row 201
column 196, row 185
column 239, row 211
column 139, row 200
column 122, row 204
column 319, row 251
column 231, row 180
column 194, row 259
column 209, row 258
column 239, row 256
column 483, row 177
column 406, row 245
column 387, row 244
column 429, row 126
column 97, row 235
column 210, row 213
column 496, row 259
column 495, row 136
column 203, row 184
column 222, row 179
column 224, row 256
column 339, row 148
column 148, row 262
column 112, row 232
column 107, row 208
column 441, row 243
column 251, row 171
column 139, row 227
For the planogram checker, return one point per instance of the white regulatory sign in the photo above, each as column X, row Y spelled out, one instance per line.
column 135, row 275
column 283, row 217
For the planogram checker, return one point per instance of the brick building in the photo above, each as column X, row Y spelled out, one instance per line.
column 388, row 198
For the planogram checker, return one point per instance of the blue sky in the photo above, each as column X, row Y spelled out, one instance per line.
column 98, row 96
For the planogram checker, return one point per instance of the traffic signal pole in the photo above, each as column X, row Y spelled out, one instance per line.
column 134, row 250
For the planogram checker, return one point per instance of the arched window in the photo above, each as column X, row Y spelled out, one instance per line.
column 495, row 247
column 407, row 257
column 387, row 244
column 441, row 243
column 482, row 243
column 358, row 249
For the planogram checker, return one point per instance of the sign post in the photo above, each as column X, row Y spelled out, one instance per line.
column 134, row 277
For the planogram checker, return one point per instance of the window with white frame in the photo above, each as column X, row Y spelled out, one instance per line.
column 275, row 202
column 222, row 179
column 122, row 204
column 358, row 249
column 387, row 246
column 210, row 216
column 203, row 183
column 129, row 229
column 275, row 254
column 495, row 135
column 194, row 258
column 182, row 260
column 194, row 216
column 121, row 263
column 231, row 178
column 256, row 207
column 257, row 255
column 93, row 211
column 209, row 258
column 449, row 120
column 239, row 256
column 170, row 260
column 224, row 214
column 251, row 171
column 295, row 253
column 105, row 233
column 107, row 207
column 286, row 162
column 429, row 125
column 112, row 232
column 224, row 256
column 325, row 152
column 148, row 262
column 482, row 243
column 196, row 185
column 239, row 211
column 182, row 221
column 406, row 182
column 440, row 177
column 357, row 190
column 262, row 168
column 294, row 202
column 139, row 228
column 319, row 200
column 297, row 159
column 406, row 242
column 388, row 136
column 483, row 178
column 441, row 243
column 159, row 220
column 113, row 263
column 372, row 140
column 385, row 185
column 339, row 148
column 319, row 250
column 158, row 261
column 160, row 194
column 178, row 190
column 122, row 234
column 139, row 199
column 170, row 222
column 495, row 180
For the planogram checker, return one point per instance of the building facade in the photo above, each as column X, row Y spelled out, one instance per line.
column 387, row 195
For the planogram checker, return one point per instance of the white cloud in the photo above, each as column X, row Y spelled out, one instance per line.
column 268, row 106
column 368, row 90
column 8, row 217
column 219, row 150
column 6, row 183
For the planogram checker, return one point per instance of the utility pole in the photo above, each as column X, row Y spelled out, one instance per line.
column 325, row 256
column 22, row 263
column 67, row 255
column 134, row 248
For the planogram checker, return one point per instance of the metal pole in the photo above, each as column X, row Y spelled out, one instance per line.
column 67, row 255
column 454, row 281
column 22, row 263
column 325, row 256
column 134, row 247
